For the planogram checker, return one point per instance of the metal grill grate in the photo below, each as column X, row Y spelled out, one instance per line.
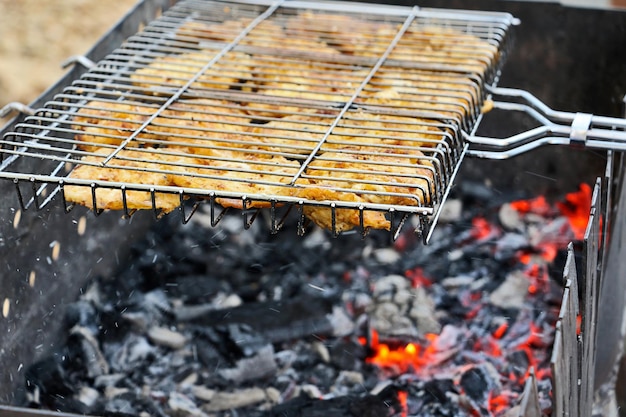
column 352, row 113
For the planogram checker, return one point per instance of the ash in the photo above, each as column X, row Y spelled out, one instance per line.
column 225, row 322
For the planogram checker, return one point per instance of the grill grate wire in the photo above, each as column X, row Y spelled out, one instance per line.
column 256, row 105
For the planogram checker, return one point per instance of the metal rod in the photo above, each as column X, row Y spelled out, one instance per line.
column 356, row 93
column 557, row 128
column 193, row 79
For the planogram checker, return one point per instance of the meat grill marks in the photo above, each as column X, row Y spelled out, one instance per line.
column 351, row 117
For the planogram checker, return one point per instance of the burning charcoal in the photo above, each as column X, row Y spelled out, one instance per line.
column 240, row 353
column 82, row 313
column 291, row 319
column 88, row 396
column 518, row 362
column 259, row 366
column 134, row 350
column 165, row 337
column 478, row 192
column 287, row 386
column 451, row 211
column 306, row 358
column 156, row 302
column 478, row 382
column 311, row 390
column 46, row 380
column 182, row 406
column 273, row 395
column 512, row 292
column 422, row 311
column 186, row 376
column 456, row 283
column 436, row 390
column 510, row 218
column 144, row 310
column 285, row 359
column 317, row 238
column 509, row 243
column 388, row 319
column 342, row 324
column 103, row 381
column 557, row 230
column 231, row 400
column 196, row 289
column 384, row 404
column 322, row 375
column 234, row 341
column 130, row 403
column 202, row 393
column 386, row 256
column 387, row 287
column 449, row 337
column 208, row 355
column 224, row 322
column 184, row 313
column 348, row 355
column 347, row 381
column 68, row 405
column 121, row 406
column 85, row 354
column 321, row 350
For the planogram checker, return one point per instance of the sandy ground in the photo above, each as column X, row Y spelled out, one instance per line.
column 36, row 36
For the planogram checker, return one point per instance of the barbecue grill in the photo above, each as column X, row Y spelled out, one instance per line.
column 48, row 138
column 150, row 96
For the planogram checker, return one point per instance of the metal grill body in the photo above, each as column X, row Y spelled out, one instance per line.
column 354, row 114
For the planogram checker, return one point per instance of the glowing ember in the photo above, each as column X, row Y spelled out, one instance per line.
column 402, row 398
column 511, row 347
column 539, row 279
column 412, row 357
column 417, row 278
column 500, row 403
column 501, row 330
column 482, row 229
column 576, row 208
column 537, row 205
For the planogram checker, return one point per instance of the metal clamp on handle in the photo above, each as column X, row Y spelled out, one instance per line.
column 556, row 128
column 580, row 129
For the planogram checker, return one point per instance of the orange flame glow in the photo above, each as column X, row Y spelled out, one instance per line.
column 501, row 330
column 538, row 205
column 426, row 354
column 402, row 398
column 539, row 279
column 418, row 278
column 481, row 228
column 576, row 208
column 413, row 356
column 499, row 403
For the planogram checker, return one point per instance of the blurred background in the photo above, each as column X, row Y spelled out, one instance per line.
column 36, row 36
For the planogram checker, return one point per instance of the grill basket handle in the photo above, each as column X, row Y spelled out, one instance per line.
column 556, row 128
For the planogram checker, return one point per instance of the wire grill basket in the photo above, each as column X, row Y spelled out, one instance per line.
column 352, row 114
